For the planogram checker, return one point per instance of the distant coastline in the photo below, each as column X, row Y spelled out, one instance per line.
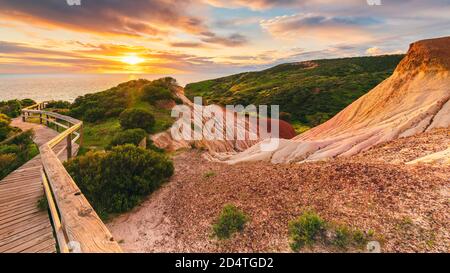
column 42, row 87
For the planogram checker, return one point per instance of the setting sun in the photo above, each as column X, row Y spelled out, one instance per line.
column 132, row 59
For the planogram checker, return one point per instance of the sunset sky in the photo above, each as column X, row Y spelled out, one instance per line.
column 205, row 36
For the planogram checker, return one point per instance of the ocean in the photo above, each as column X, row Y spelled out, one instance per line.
column 68, row 87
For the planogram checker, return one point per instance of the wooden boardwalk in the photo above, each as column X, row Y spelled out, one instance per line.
column 23, row 227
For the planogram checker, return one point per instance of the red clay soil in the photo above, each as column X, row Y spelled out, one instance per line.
column 406, row 206
column 286, row 131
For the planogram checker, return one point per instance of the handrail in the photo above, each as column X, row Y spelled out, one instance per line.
column 77, row 226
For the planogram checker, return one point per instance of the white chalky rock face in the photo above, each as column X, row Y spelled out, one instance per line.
column 245, row 134
column 415, row 99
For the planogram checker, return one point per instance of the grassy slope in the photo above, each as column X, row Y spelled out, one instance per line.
column 310, row 95
column 97, row 135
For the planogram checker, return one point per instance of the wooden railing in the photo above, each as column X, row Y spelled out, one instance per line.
column 77, row 226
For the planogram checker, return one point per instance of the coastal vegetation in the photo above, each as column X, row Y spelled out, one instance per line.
column 16, row 147
column 126, row 106
column 309, row 93
column 309, row 228
column 111, row 171
column 12, row 108
column 137, row 118
column 115, row 181
column 131, row 136
column 230, row 221
column 16, row 150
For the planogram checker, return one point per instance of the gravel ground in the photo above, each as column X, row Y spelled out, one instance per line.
column 406, row 149
column 406, row 206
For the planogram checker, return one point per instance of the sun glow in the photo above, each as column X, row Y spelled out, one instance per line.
column 132, row 59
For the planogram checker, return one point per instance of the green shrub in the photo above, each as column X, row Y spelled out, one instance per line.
column 137, row 118
column 42, row 203
column 27, row 102
column 93, row 115
column 116, row 181
column 209, row 174
column 58, row 104
column 5, row 129
column 6, row 161
column 343, row 236
column 9, row 149
column 130, row 136
column 100, row 106
column 11, row 108
column 16, row 151
column 360, row 238
column 304, row 230
column 230, row 220
column 153, row 147
column 153, row 93
column 24, row 138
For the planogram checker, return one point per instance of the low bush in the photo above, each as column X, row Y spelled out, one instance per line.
column 27, row 102
column 130, row 136
column 100, row 106
column 360, row 238
column 137, row 118
column 153, row 93
column 209, row 174
column 58, row 104
column 310, row 227
column 16, row 151
column 11, row 108
column 230, row 221
column 5, row 129
column 6, row 161
column 93, row 115
column 305, row 229
column 345, row 237
column 42, row 203
column 153, row 147
column 342, row 237
column 116, row 181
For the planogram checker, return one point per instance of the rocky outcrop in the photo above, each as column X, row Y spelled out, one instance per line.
column 225, row 147
column 415, row 99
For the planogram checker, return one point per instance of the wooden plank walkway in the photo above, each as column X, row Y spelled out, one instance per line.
column 23, row 227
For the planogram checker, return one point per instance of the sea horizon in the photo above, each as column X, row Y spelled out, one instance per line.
column 44, row 87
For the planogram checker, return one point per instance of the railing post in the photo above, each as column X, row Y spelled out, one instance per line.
column 40, row 118
column 23, row 116
column 69, row 146
column 81, row 136
column 48, row 121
